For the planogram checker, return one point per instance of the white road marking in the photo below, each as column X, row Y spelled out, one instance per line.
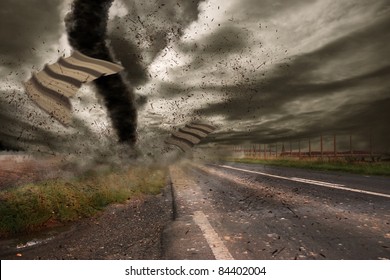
column 311, row 182
column 216, row 244
column 319, row 183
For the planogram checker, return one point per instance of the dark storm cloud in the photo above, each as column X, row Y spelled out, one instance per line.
column 365, row 123
column 167, row 89
column 272, row 94
column 348, row 76
column 368, row 121
column 32, row 28
column 28, row 31
column 22, row 127
column 131, row 59
column 136, row 39
column 337, row 80
column 163, row 14
column 28, row 28
column 216, row 46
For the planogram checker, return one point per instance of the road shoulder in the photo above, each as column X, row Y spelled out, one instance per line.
column 122, row 231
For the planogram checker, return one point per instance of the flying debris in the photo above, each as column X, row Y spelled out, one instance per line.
column 52, row 87
column 190, row 135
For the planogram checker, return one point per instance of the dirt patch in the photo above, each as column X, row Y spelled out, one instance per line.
column 21, row 169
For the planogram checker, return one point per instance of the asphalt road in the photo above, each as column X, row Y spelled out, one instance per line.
column 245, row 211
column 231, row 211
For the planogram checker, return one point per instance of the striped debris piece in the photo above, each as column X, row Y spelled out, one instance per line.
column 52, row 87
column 190, row 135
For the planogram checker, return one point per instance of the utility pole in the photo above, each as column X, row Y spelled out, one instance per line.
column 276, row 150
column 270, row 147
column 350, row 144
column 299, row 148
column 371, row 143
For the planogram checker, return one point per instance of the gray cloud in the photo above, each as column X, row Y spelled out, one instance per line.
column 138, row 37
column 340, row 87
column 224, row 40
column 27, row 30
column 264, row 9
column 130, row 56
column 216, row 46
column 318, row 67
column 22, row 126
column 34, row 27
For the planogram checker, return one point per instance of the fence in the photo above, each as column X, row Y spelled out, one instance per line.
column 304, row 149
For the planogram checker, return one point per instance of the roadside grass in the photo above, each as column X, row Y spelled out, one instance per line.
column 31, row 207
column 366, row 168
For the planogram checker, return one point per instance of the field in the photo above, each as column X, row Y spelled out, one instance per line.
column 33, row 198
column 19, row 169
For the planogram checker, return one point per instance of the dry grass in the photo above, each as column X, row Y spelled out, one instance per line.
column 33, row 206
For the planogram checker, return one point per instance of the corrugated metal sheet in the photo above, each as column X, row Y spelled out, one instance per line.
column 190, row 135
column 52, row 87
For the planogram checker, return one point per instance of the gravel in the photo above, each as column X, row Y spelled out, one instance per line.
column 123, row 231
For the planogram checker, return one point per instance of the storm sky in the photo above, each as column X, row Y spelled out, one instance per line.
column 260, row 70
